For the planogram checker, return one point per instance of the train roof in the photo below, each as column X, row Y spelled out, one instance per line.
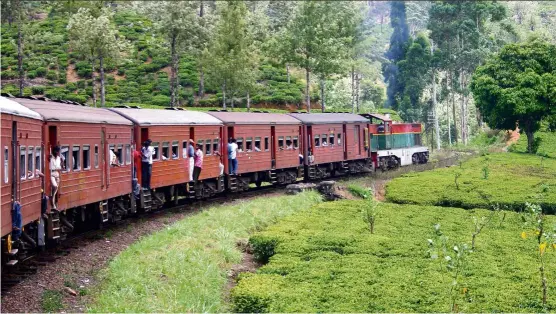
column 377, row 116
column 58, row 111
column 166, row 117
column 254, row 118
column 323, row 118
column 13, row 107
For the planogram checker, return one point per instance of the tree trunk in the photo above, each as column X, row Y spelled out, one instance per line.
column 20, row 48
column 436, row 125
column 201, row 81
column 454, row 111
column 357, row 85
column 308, row 96
column 224, row 95
column 462, row 105
column 530, row 136
column 101, row 65
column 352, row 89
column 174, row 66
column 248, row 103
column 288, row 72
column 322, row 100
column 94, row 83
column 202, row 9
column 232, row 101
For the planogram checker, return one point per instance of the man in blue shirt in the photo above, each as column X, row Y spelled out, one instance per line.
column 190, row 155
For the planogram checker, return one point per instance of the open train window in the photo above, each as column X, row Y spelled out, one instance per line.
column 165, row 150
column 331, row 139
column 184, row 149
column 317, row 140
column 120, row 154
column 175, row 153
column 215, row 146
column 324, row 140
column 257, row 144
column 339, row 138
column 86, row 157
column 239, row 142
column 76, row 158
column 64, row 156
column 96, row 156
column 22, row 165
column 207, row 147
column 38, row 159
column 248, row 144
column 30, row 160
column 128, row 154
column 280, row 142
column 295, row 142
column 266, row 144
column 289, row 144
column 156, row 155
column 6, row 163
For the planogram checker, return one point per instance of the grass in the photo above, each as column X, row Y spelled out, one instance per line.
column 544, row 145
column 512, row 179
column 359, row 191
column 326, row 260
column 51, row 301
column 184, row 267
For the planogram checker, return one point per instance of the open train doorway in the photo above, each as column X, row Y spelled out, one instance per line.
column 273, row 146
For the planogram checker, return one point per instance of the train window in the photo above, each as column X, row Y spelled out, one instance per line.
column 339, row 138
column 165, row 150
column 96, row 156
column 86, row 157
column 249, row 144
column 295, row 142
column 22, row 165
column 266, row 144
column 156, row 155
column 239, row 142
column 120, row 154
column 38, row 159
column 175, row 154
column 324, row 140
column 280, row 142
column 128, row 154
column 215, row 145
column 317, row 140
column 6, row 162
column 331, row 139
column 30, row 161
column 76, row 162
column 207, row 147
column 257, row 144
column 184, row 149
column 64, row 156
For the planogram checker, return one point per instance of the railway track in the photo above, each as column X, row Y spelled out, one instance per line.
column 32, row 264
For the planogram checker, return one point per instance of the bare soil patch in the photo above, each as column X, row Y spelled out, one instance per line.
column 71, row 74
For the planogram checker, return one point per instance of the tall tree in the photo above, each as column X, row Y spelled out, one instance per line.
column 395, row 52
column 96, row 38
column 518, row 85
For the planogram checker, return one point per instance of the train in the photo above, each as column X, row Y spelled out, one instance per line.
column 273, row 148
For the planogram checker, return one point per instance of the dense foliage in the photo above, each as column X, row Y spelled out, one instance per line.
column 326, row 260
column 518, row 85
column 544, row 144
column 509, row 180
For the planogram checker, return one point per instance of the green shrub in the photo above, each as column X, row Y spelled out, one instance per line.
column 31, row 74
column 84, row 69
column 52, row 75
column 160, row 100
column 37, row 90
column 62, row 79
column 359, row 191
column 72, row 87
column 263, row 247
column 41, row 71
column 81, row 84
column 9, row 75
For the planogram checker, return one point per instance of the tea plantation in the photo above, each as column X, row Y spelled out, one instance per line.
column 544, row 145
column 326, row 260
column 508, row 179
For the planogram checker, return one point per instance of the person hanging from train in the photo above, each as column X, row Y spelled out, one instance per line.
column 147, row 152
column 198, row 162
column 232, row 156
column 134, row 183
column 55, row 168
column 381, row 127
column 191, row 155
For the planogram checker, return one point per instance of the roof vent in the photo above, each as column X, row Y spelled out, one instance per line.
column 387, row 116
column 175, row 108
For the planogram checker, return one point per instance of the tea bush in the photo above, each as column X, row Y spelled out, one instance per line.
column 513, row 179
column 325, row 260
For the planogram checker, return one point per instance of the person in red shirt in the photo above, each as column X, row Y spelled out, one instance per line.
column 136, row 162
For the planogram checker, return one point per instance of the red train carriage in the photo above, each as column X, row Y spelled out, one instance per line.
column 170, row 131
column 334, row 143
column 268, row 147
column 22, row 156
column 90, row 186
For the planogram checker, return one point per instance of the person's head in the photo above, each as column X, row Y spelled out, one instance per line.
column 288, row 143
column 230, row 140
column 233, row 140
column 56, row 151
column 191, row 141
column 199, row 146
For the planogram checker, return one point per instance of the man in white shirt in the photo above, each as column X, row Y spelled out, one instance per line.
column 147, row 152
column 55, row 167
column 232, row 156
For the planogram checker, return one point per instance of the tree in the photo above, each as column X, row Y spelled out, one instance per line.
column 317, row 39
column 518, row 85
column 96, row 38
column 395, row 52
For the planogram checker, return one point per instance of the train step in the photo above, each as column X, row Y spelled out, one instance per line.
column 104, row 211
column 13, row 252
column 11, row 262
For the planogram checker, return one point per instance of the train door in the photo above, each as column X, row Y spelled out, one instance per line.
column 144, row 135
column 310, row 143
column 273, row 146
column 344, row 135
column 356, row 142
column 104, row 181
column 15, row 165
